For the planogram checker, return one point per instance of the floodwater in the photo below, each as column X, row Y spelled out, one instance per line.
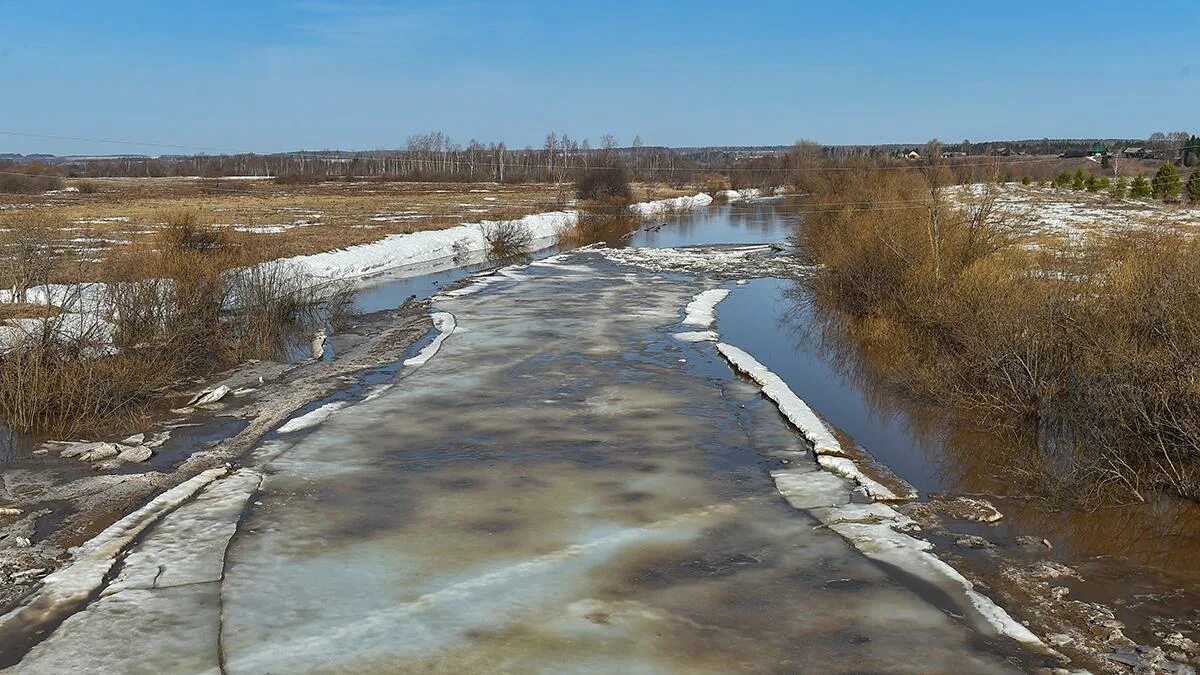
column 565, row 487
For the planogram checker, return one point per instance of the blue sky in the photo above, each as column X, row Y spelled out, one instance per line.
column 267, row 76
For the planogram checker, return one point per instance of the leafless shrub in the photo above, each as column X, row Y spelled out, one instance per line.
column 87, row 187
column 28, row 254
column 187, row 303
column 1094, row 345
column 507, row 240
column 601, row 222
column 607, row 183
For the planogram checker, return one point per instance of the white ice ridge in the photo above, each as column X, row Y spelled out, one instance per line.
column 874, row 529
column 94, row 559
column 697, row 336
column 444, row 322
column 312, row 418
column 825, row 444
column 700, row 311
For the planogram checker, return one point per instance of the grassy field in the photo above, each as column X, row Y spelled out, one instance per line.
column 95, row 219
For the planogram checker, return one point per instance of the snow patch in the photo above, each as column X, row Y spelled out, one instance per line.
column 796, row 410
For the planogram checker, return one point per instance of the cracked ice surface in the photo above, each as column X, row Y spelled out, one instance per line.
column 162, row 611
column 543, row 495
column 554, row 491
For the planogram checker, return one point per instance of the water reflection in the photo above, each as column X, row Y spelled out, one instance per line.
column 753, row 222
column 853, row 385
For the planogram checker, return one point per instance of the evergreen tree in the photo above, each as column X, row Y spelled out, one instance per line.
column 1166, row 184
column 1193, row 187
column 1191, row 151
column 1026, row 180
column 1118, row 189
column 1092, row 183
column 1079, row 180
column 1139, row 188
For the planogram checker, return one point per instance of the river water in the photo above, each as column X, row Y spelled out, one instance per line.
column 566, row 487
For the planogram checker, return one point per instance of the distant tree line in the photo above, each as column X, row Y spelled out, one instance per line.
column 432, row 156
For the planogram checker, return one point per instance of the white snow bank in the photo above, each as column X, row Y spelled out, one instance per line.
column 701, row 310
column 676, row 204
column 789, row 404
column 740, row 195
column 400, row 250
column 877, row 530
column 874, row 529
column 444, row 322
column 421, row 247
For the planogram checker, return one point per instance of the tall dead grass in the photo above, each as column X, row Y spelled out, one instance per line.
column 1097, row 344
column 188, row 302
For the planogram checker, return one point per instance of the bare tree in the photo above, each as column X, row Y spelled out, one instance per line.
column 934, row 172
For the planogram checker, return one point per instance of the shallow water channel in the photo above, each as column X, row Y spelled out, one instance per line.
column 568, row 487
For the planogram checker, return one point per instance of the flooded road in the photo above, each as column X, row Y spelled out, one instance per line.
column 569, row 484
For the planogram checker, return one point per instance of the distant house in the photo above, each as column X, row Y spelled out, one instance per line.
column 912, row 154
column 1002, row 152
column 1135, row 153
column 954, row 154
column 906, row 153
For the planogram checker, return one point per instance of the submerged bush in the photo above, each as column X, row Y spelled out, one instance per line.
column 1096, row 343
column 507, row 240
column 604, row 183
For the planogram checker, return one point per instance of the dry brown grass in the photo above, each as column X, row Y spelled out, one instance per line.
column 1095, row 345
column 338, row 213
column 186, row 302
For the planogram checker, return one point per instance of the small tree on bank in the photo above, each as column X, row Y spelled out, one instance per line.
column 1167, row 185
column 1193, row 187
column 1079, row 180
column 1118, row 189
column 1139, row 188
